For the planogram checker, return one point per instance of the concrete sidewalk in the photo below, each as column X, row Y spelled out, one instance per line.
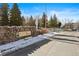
column 75, row 39
column 62, row 44
column 67, row 33
column 57, row 48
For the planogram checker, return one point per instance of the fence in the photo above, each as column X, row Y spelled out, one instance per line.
column 12, row 33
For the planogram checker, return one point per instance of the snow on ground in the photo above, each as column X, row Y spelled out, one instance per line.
column 23, row 43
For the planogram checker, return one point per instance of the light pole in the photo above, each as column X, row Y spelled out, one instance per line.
column 46, row 15
column 36, row 22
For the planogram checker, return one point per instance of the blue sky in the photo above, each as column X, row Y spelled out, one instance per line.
column 62, row 10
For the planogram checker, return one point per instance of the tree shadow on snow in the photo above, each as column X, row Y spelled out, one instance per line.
column 29, row 49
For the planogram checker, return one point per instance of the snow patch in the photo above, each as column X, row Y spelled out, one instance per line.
column 23, row 43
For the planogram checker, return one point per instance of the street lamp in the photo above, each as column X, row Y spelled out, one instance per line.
column 36, row 22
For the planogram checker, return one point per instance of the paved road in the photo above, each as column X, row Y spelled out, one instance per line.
column 52, row 47
column 49, row 48
column 57, row 48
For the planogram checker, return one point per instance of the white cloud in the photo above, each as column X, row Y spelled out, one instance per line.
column 65, row 14
column 61, row 14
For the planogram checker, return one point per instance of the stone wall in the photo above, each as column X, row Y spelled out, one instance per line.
column 10, row 33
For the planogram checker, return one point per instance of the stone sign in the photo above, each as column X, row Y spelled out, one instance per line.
column 11, row 33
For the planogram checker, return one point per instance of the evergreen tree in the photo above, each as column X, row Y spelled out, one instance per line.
column 15, row 19
column 44, row 20
column 31, row 21
column 51, row 22
column 54, row 21
column 4, row 15
column 23, row 20
column 0, row 14
column 39, row 23
column 59, row 24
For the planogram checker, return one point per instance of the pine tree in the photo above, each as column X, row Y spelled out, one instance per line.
column 54, row 21
column 59, row 24
column 0, row 14
column 44, row 20
column 51, row 22
column 24, row 21
column 39, row 23
column 31, row 21
column 4, row 16
column 15, row 19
